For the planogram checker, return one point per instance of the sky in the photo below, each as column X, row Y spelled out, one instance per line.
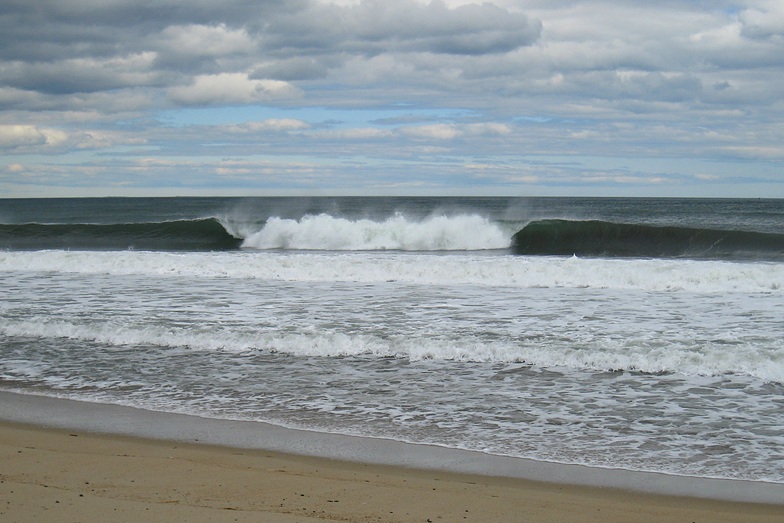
column 395, row 97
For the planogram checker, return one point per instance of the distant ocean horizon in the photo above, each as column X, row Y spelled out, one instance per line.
column 636, row 333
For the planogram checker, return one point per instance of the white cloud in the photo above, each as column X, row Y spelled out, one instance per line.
column 17, row 136
column 488, row 128
column 12, row 136
column 365, row 133
column 97, row 139
column 270, row 125
column 204, row 40
column 774, row 152
column 231, row 88
column 764, row 20
column 461, row 81
column 445, row 132
column 431, row 132
column 32, row 138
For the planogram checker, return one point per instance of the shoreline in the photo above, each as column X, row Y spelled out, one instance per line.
column 105, row 420
column 57, row 475
column 64, row 475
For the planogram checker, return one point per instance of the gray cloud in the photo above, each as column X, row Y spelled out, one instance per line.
column 377, row 26
column 88, row 46
column 296, row 68
column 458, row 82
column 82, row 75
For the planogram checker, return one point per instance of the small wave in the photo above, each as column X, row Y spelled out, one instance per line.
column 325, row 232
column 608, row 356
column 178, row 235
column 600, row 238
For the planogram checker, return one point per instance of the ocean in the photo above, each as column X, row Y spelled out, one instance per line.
column 640, row 334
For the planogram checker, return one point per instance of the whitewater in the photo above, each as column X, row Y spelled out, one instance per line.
column 441, row 269
column 324, row 232
column 423, row 325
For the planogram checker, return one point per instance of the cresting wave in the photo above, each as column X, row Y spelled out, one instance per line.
column 601, row 238
column 324, row 232
column 468, row 232
column 311, row 232
column 179, row 235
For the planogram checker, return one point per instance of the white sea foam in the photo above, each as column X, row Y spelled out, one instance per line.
column 743, row 357
column 666, row 365
column 324, row 232
column 492, row 352
column 425, row 269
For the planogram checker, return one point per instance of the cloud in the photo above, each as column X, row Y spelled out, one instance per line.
column 765, row 21
column 487, row 128
column 270, row 125
column 205, row 40
column 98, row 139
column 432, row 132
column 363, row 133
column 375, row 26
column 231, row 88
column 296, row 68
column 637, row 85
column 451, row 131
column 378, row 89
column 80, row 75
column 31, row 139
column 198, row 48
column 775, row 152
column 23, row 136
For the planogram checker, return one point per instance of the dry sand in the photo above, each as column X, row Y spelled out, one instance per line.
column 74, row 476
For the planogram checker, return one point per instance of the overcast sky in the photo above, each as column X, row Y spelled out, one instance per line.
column 278, row 97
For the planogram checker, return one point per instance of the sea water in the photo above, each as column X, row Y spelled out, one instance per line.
column 418, row 320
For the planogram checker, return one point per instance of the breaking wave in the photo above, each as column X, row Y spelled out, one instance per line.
column 325, row 232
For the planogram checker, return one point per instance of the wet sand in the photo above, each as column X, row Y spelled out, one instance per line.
column 59, row 475
column 73, row 461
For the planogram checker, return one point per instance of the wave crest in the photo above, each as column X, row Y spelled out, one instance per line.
column 178, row 235
column 325, row 232
column 608, row 239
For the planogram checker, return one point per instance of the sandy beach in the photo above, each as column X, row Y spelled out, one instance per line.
column 65, row 475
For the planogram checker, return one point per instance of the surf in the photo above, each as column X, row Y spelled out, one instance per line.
column 712, row 276
column 325, row 232
column 608, row 239
column 204, row 234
